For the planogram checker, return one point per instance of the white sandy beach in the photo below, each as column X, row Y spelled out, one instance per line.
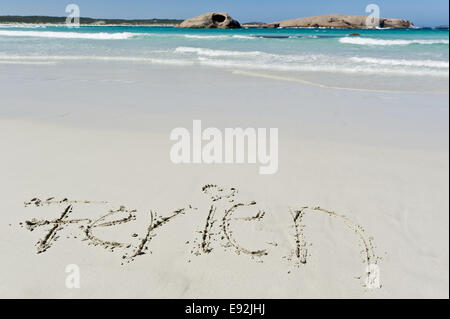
column 100, row 132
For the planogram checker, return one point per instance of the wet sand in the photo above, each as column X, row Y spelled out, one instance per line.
column 363, row 179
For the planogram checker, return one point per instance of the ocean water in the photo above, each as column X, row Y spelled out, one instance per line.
column 387, row 52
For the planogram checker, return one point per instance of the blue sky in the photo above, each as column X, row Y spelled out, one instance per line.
column 421, row 12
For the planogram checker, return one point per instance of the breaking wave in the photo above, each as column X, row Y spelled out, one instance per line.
column 320, row 68
column 402, row 62
column 211, row 52
column 69, row 35
column 368, row 41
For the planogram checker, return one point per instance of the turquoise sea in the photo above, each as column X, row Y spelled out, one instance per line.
column 411, row 52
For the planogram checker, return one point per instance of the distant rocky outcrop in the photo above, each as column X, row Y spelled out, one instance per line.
column 396, row 23
column 212, row 20
column 340, row 21
column 84, row 21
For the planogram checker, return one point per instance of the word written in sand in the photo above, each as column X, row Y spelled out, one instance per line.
column 217, row 229
column 228, row 148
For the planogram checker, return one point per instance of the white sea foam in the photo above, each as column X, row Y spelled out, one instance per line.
column 211, row 52
column 69, row 35
column 369, row 41
column 315, row 62
column 320, row 68
column 403, row 62
column 25, row 58
column 256, row 60
column 28, row 62
column 263, row 56
column 239, row 36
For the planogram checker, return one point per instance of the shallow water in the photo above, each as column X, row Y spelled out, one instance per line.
column 388, row 52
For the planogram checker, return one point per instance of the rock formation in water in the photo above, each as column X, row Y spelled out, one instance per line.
column 340, row 21
column 212, row 20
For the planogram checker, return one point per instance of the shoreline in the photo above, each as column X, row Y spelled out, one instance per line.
column 134, row 79
column 331, row 80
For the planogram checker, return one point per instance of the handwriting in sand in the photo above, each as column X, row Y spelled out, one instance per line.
column 217, row 227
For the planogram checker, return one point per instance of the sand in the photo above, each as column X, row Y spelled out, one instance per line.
column 100, row 133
